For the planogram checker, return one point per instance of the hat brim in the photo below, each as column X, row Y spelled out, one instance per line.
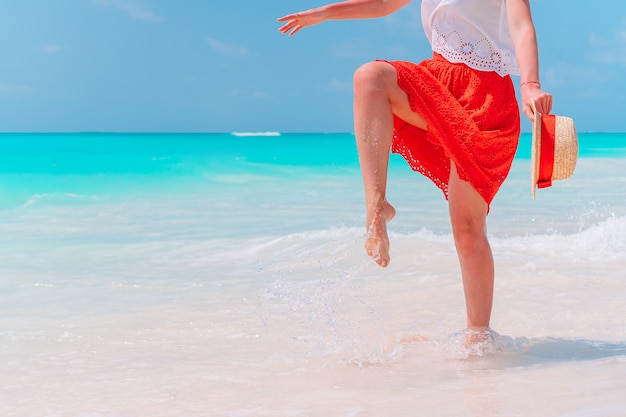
column 535, row 154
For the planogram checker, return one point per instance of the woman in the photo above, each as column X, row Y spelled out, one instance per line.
column 453, row 117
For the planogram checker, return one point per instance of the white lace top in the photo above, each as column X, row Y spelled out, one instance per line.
column 475, row 32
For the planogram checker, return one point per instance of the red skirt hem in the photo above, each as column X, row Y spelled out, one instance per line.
column 472, row 119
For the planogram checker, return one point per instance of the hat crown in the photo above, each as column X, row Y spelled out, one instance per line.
column 565, row 148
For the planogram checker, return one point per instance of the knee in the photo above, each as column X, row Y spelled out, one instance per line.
column 468, row 233
column 372, row 77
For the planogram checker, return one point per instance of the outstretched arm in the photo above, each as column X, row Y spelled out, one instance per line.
column 525, row 43
column 344, row 10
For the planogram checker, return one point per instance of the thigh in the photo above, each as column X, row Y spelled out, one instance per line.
column 467, row 207
column 385, row 75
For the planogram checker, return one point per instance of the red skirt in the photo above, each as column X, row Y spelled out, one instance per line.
column 472, row 119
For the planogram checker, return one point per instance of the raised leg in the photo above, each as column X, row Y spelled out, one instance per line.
column 377, row 97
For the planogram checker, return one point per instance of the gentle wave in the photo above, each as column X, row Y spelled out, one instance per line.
column 245, row 134
column 602, row 241
column 56, row 197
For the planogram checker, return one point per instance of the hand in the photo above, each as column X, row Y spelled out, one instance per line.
column 543, row 100
column 297, row 21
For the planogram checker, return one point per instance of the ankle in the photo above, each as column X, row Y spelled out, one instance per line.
column 380, row 210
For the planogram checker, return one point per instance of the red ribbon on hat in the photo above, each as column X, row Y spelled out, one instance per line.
column 546, row 158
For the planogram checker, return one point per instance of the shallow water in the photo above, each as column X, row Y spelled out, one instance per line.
column 182, row 275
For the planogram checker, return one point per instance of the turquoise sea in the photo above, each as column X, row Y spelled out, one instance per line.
column 224, row 275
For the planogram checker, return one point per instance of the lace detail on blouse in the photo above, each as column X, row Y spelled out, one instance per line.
column 481, row 55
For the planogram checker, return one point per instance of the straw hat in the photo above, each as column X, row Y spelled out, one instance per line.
column 554, row 149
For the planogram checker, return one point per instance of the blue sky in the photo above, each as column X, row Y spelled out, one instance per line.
column 222, row 66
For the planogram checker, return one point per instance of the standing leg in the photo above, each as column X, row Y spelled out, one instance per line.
column 468, row 214
column 377, row 97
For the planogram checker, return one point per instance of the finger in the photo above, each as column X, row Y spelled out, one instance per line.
column 549, row 104
column 285, row 18
column 529, row 113
column 287, row 27
column 290, row 28
column 545, row 105
column 528, row 109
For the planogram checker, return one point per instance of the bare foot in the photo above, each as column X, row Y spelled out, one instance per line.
column 376, row 239
column 480, row 341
